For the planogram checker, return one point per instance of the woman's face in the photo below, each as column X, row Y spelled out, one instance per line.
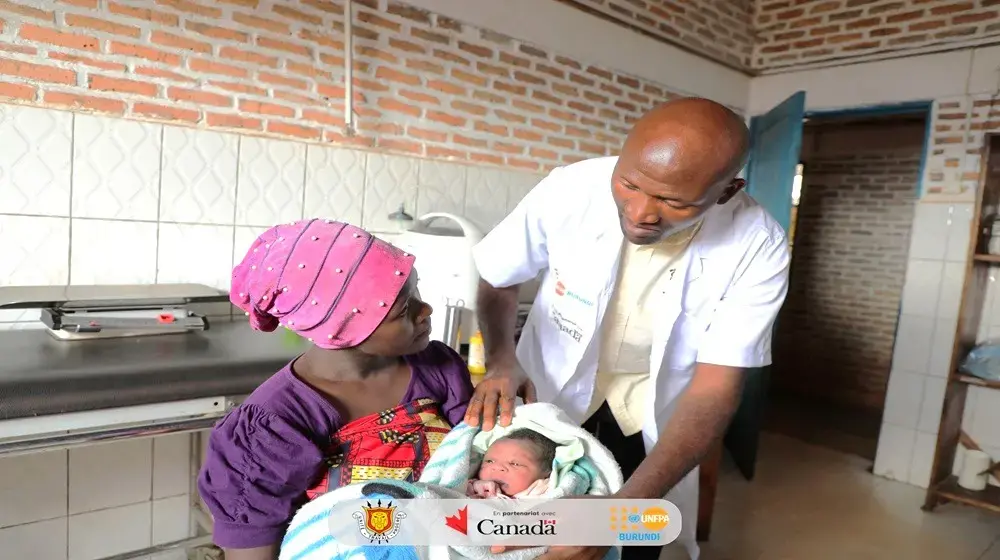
column 406, row 329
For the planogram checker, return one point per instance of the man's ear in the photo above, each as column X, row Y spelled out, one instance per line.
column 734, row 187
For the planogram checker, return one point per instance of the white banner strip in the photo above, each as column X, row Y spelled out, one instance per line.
column 523, row 522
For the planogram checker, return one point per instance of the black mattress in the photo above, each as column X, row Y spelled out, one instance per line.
column 40, row 375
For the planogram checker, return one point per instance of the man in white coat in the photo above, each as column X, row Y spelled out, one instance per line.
column 662, row 281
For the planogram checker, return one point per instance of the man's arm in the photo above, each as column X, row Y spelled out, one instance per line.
column 739, row 337
column 701, row 417
column 510, row 255
column 497, row 312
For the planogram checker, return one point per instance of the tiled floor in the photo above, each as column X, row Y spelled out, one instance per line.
column 812, row 503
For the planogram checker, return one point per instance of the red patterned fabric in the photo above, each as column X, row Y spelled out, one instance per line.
column 395, row 443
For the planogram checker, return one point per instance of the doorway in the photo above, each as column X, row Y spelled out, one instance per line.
column 852, row 210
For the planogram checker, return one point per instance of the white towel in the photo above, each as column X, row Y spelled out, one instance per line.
column 583, row 466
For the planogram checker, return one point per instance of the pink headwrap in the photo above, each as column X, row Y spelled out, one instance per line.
column 328, row 281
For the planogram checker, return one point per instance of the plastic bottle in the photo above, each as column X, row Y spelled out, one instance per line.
column 477, row 357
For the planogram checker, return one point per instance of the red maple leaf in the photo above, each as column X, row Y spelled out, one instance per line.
column 459, row 522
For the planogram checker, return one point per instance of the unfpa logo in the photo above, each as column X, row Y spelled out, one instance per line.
column 633, row 525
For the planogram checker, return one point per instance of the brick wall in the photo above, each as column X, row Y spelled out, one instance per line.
column 793, row 32
column 718, row 29
column 837, row 329
column 425, row 84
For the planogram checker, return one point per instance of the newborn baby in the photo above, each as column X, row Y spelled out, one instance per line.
column 516, row 465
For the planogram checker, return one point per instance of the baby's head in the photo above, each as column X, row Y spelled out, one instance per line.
column 517, row 460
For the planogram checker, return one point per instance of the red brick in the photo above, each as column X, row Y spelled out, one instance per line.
column 477, row 50
column 216, row 32
column 176, row 41
column 447, row 87
column 424, row 134
column 445, row 118
column 37, row 72
column 285, row 46
column 8, row 47
column 31, row 32
column 102, row 25
column 261, row 23
column 398, row 107
column 222, row 120
column 263, row 108
column 487, row 158
column 143, row 14
column 103, row 65
column 386, row 73
column 445, row 153
column 424, row 66
column 297, row 15
column 298, row 131
column 164, row 112
column 907, row 16
column 406, row 12
column 419, row 97
column 22, row 92
column 951, row 8
column 200, row 65
column 119, row 85
column 87, row 102
column 147, row 53
column 26, row 11
column 396, row 145
column 159, row 73
column 469, row 78
column 277, row 79
column 199, row 97
column 378, row 21
column 192, row 7
column 322, row 117
column 236, row 54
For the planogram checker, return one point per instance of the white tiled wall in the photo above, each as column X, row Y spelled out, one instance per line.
column 95, row 501
column 95, row 200
column 927, row 323
column 78, row 193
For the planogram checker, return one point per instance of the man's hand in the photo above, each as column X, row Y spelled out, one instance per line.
column 498, row 390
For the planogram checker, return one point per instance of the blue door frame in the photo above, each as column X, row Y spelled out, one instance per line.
column 741, row 437
column 909, row 107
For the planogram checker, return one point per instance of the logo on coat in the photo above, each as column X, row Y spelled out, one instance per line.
column 561, row 290
column 379, row 523
column 566, row 326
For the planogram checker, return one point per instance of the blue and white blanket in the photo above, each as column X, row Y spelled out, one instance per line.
column 582, row 466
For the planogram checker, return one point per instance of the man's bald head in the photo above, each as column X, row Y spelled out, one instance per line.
column 678, row 160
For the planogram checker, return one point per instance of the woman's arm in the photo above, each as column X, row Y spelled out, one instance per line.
column 259, row 553
column 256, row 474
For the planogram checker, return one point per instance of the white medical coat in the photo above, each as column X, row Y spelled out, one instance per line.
column 733, row 280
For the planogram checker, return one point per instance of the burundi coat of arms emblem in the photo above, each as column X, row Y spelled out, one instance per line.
column 379, row 523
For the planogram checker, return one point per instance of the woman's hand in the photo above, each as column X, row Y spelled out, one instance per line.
column 498, row 389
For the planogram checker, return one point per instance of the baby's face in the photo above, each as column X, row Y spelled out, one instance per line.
column 511, row 464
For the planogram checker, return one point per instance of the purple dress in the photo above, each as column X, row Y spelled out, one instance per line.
column 286, row 444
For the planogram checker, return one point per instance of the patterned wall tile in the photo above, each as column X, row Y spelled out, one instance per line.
column 35, row 157
column 116, row 168
column 441, row 187
column 335, row 184
column 243, row 239
column 35, row 251
column 486, row 197
column 113, row 252
column 389, row 182
column 199, row 254
column 199, row 176
column 519, row 186
column 271, row 181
